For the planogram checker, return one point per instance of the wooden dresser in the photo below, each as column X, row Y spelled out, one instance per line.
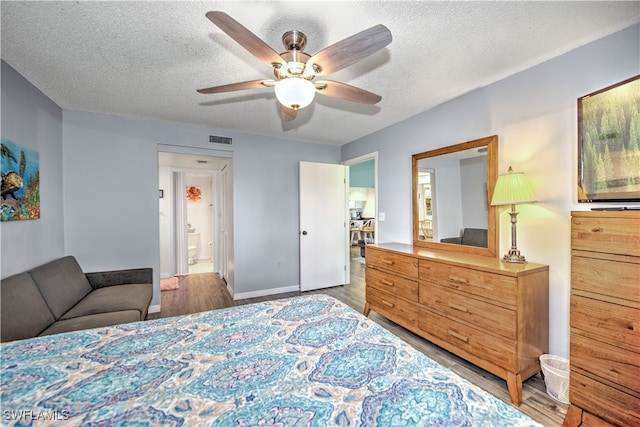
column 491, row 313
column 604, row 383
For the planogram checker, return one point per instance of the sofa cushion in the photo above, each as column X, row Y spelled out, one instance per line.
column 24, row 313
column 92, row 321
column 114, row 298
column 62, row 283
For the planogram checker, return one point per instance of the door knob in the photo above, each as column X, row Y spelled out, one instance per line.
column 304, row 233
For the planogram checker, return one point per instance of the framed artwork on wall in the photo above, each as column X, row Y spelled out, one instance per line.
column 609, row 144
column 194, row 194
column 20, row 182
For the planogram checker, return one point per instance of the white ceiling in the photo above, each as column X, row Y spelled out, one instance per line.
column 146, row 59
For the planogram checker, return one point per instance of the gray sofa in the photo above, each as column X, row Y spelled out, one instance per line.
column 469, row 237
column 59, row 297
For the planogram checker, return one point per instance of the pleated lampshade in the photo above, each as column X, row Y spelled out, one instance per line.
column 512, row 188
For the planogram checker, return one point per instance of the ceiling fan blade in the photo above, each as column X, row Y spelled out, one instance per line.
column 253, row 84
column 350, row 50
column 245, row 38
column 347, row 92
column 287, row 113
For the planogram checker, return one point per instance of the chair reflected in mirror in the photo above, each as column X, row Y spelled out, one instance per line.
column 426, row 229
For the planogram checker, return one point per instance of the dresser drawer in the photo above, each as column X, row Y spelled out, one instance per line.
column 497, row 350
column 607, row 402
column 608, row 235
column 398, row 263
column 490, row 286
column 607, row 322
column 394, row 309
column 391, row 283
column 606, row 277
column 614, row 364
column 458, row 305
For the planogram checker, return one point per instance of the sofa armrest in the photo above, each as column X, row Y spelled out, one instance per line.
column 455, row 240
column 103, row 279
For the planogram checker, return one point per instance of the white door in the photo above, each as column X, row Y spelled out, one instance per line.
column 324, row 255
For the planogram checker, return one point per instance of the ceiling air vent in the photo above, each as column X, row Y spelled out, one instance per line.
column 219, row 140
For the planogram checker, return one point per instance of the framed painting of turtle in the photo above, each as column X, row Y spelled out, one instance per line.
column 20, row 185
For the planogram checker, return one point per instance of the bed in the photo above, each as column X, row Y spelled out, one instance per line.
column 308, row 360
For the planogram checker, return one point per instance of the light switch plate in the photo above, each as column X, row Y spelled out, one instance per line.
column 381, row 216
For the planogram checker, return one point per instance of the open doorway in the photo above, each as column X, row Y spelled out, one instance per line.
column 363, row 209
column 195, row 219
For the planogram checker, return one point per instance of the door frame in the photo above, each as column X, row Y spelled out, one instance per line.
column 363, row 158
column 223, row 252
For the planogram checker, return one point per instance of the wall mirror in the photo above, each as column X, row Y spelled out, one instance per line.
column 452, row 190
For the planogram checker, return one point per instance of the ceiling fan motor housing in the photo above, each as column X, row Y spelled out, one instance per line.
column 294, row 41
column 296, row 66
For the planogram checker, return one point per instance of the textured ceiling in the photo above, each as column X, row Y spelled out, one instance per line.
column 146, row 59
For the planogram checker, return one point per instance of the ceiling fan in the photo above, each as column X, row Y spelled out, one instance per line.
column 295, row 70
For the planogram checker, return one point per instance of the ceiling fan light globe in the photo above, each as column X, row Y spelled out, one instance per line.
column 295, row 92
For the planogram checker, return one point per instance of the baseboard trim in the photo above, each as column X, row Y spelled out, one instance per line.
column 255, row 294
column 154, row 308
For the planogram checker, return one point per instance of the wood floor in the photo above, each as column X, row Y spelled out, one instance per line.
column 202, row 292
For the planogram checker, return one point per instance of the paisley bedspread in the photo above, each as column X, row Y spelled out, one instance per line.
column 304, row 361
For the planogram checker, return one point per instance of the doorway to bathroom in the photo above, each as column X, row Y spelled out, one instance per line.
column 195, row 217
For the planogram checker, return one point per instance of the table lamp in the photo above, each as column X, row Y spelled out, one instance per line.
column 512, row 189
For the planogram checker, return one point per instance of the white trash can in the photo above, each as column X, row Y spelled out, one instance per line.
column 555, row 370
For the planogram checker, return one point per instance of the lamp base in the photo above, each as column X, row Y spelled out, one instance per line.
column 514, row 256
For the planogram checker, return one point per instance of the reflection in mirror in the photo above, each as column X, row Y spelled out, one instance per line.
column 462, row 176
column 451, row 197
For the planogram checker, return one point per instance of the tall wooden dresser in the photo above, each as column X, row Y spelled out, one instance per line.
column 491, row 313
column 604, row 382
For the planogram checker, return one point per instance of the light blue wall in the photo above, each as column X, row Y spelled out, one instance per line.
column 266, row 221
column 32, row 120
column 362, row 174
column 111, row 190
column 534, row 114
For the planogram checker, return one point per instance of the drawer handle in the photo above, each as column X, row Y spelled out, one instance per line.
column 388, row 261
column 597, row 230
column 388, row 304
column 461, row 281
column 459, row 308
column 458, row 336
column 386, row 282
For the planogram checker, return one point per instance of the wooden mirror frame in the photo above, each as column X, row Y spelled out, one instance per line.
column 491, row 143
